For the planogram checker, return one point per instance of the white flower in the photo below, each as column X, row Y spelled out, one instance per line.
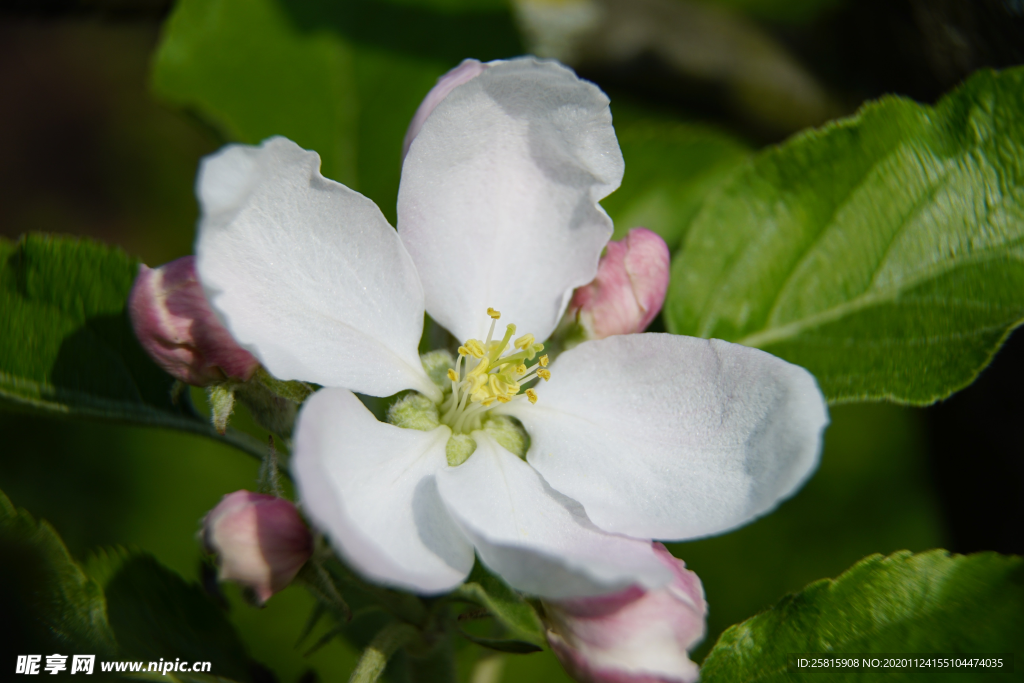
column 635, row 436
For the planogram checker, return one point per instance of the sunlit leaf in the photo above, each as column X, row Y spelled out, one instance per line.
column 922, row 604
column 882, row 252
column 71, row 349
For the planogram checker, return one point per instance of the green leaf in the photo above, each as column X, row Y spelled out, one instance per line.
column 504, row 604
column 457, row 6
column 340, row 77
column 157, row 614
column 928, row 603
column 244, row 67
column 46, row 600
column 517, row 647
column 73, row 351
column 671, row 167
column 882, row 252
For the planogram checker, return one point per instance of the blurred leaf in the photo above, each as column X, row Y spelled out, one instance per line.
column 342, row 78
column 391, row 87
column 518, row 647
column 46, row 600
column 456, row 6
column 508, row 607
column 882, row 252
column 696, row 51
column 242, row 66
column 778, row 11
column 72, row 350
column 671, row 167
column 933, row 602
column 444, row 31
column 158, row 615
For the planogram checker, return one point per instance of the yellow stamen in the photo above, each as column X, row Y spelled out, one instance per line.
column 543, row 360
column 480, row 368
column 497, row 386
column 475, row 348
column 495, row 377
column 524, row 341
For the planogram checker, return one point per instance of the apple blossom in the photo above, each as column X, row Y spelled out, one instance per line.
column 463, row 73
column 178, row 329
column 633, row 636
column 555, row 487
column 260, row 541
column 629, row 289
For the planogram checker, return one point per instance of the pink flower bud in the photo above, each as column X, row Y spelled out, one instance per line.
column 179, row 330
column 463, row 73
column 633, row 636
column 260, row 541
column 629, row 289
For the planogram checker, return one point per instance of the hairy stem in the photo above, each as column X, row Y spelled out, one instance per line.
column 376, row 655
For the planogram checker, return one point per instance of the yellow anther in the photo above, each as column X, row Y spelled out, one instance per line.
column 452, row 376
column 497, row 386
column 463, row 351
column 531, row 395
column 493, row 313
column 503, row 399
column 475, row 348
column 544, row 374
column 480, row 368
column 543, row 360
column 524, row 341
column 521, row 369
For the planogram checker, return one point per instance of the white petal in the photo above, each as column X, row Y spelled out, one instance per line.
column 671, row 437
column 498, row 201
column 370, row 487
column 306, row 273
column 538, row 540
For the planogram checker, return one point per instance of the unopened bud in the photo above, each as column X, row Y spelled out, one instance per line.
column 260, row 541
column 633, row 636
column 463, row 73
column 629, row 289
column 179, row 330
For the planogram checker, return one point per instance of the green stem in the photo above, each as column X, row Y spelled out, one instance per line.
column 376, row 655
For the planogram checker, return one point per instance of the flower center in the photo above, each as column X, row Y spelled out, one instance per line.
column 488, row 373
